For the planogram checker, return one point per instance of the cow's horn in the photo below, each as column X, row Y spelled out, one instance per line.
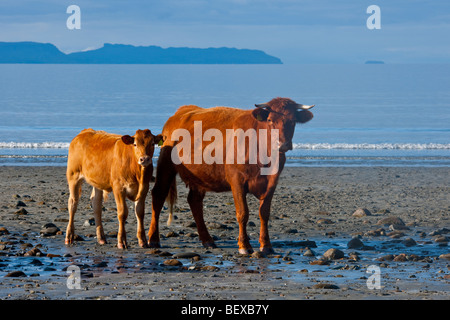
column 261, row 105
column 304, row 106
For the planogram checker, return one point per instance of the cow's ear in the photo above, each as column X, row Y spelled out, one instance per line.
column 260, row 114
column 127, row 139
column 159, row 140
column 303, row 116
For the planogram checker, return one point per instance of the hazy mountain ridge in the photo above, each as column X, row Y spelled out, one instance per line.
column 34, row 52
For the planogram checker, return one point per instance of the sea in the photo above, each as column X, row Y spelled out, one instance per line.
column 365, row 115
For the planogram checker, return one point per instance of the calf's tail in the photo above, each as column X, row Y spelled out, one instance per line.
column 171, row 199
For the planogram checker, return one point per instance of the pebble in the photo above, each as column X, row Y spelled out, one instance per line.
column 333, row 254
column 172, row 262
column 258, row 255
column 391, row 221
column 15, row 274
column 409, row 242
column 33, row 252
column 445, row 256
column 309, row 253
column 325, row 286
column 20, row 204
column 88, row 223
column 21, row 212
column 355, row 243
column 324, row 221
column 3, row 231
column 186, row 255
column 361, row 212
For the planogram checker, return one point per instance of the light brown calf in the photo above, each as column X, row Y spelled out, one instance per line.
column 110, row 162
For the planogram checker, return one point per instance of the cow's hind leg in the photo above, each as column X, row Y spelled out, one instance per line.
column 74, row 182
column 195, row 200
column 97, row 205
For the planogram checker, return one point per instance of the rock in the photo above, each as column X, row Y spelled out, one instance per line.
column 361, row 212
column 445, row 256
column 20, row 204
column 191, row 225
column 309, row 253
column 210, row 268
column 186, row 255
column 165, row 254
column 409, row 242
column 401, row 258
column 258, row 255
column 333, row 254
column 21, row 212
column 172, row 262
column 324, row 221
column 172, row 234
column 15, row 274
column 391, row 220
column 33, row 252
column 88, row 223
column 355, row 243
column 49, row 229
column 325, row 286
column 388, row 257
column 3, row 231
column 320, row 262
column 307, row 243
column 441, row 239
column 291, row 231
column 396, row 227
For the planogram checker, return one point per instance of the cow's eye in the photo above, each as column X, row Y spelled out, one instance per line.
column 134, row 144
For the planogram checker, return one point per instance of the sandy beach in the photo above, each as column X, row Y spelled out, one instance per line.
column 400, row 240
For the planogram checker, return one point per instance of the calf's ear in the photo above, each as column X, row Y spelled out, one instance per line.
column 159, row 139
column 303, row 116
column 127, row 139
column 260, row 114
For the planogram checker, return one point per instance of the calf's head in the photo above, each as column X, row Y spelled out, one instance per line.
column 144, row 145
column 282, row 114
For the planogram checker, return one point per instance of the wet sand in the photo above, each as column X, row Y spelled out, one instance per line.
column 312, row 209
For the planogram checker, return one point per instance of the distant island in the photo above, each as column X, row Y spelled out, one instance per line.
column 374, row 62
column 34, row 52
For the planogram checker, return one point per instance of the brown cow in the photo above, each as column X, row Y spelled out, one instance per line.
column 110, row 162
column 218, row 176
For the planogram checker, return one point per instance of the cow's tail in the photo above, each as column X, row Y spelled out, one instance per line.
column 171, row 199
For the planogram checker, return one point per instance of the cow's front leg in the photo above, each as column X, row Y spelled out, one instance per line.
column 139, row 207
column 122, row 214
column 195, row 200
column 264, row 214
column 240, row 202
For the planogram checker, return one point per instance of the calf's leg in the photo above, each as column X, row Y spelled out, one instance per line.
column 139, row 208
column 122, row 214
column 97, row 205
column 75, row 189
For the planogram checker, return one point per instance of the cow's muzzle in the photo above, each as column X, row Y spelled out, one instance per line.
column 285, row 147
column 145, row 161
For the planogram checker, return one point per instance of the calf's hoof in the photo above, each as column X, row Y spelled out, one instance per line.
column 209, row 245
column 245, row 251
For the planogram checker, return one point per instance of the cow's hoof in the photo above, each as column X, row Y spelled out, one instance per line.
column 122, row 246
column 102, row 241
column 267, row 250
column 154, row 245
column 209, row 245
column 245, row 251
column 143, row 244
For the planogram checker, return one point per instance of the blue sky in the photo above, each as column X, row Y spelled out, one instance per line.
column 296, row 31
